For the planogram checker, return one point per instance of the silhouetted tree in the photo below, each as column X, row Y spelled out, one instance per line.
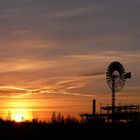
column 83, row 120
column 53, row 119
column 35, row 120
column 62, row 119
column 59, row 118
column 70, row 119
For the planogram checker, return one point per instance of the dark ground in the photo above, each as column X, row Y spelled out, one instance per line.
column 72, row 131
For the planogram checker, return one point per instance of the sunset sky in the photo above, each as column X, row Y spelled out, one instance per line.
column 48, row 48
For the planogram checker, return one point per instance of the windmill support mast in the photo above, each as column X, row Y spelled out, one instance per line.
column 116, row 78
column 113, row 98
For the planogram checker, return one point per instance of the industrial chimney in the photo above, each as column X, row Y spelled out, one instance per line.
column 94, row 107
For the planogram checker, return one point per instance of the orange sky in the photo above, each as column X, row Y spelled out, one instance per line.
column 54, row 55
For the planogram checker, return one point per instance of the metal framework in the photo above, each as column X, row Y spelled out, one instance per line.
column 116, row 78
column 123, row 113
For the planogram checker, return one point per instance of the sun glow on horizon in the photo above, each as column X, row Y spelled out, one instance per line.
column 18, row 117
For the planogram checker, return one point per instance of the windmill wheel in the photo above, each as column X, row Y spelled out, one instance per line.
column 116, row 71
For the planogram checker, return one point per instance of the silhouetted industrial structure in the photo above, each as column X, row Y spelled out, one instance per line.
column 123, row 113
column 116, row 78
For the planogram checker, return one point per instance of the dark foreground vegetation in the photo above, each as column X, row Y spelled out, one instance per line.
column 70, row 130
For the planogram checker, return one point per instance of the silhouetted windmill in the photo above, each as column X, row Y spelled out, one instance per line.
column 116, row 78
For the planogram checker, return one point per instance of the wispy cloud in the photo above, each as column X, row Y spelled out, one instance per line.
column 92, row 74
column 66, row 45
column 11, row 91
column 71, row 12
column 58, row 88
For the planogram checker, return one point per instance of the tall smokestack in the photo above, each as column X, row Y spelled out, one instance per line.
column 94, row 107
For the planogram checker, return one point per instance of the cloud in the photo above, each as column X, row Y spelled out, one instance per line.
column 54, row 41
column 92, row 74
column 61, row 88
column 11, row 91
column 81, row 24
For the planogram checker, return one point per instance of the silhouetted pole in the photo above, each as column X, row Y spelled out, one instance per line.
column 100, row 108
column 94, row 107
column 113, row 98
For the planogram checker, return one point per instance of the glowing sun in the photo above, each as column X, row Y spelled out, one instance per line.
column 18, row 117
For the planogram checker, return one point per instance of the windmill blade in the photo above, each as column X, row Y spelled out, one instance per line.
column 120, row 75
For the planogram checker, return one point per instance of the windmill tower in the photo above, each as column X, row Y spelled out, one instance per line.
column 116, row 78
